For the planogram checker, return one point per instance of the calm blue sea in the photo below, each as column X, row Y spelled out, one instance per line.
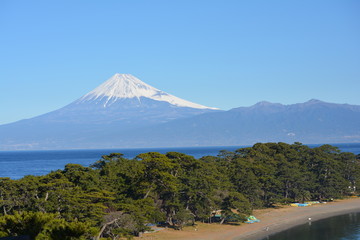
column 17, row 164
column 343, row 227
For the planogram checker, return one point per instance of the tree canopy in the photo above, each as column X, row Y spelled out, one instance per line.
column 116, row 197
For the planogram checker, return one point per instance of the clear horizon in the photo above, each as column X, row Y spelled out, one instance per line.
column 214, row 53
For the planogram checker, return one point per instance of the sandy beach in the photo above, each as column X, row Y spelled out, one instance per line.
column 272, row 221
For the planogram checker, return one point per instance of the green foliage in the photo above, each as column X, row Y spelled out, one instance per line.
column 116, row 197
column 25, row 223
column 235, row 205
column 39, row 226
column 183, row 217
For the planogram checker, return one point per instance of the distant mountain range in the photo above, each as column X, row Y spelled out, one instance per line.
column 310, row 122
column 125, row 112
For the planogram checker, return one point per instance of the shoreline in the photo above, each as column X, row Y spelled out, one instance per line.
column 272, row 221
column 296, row 216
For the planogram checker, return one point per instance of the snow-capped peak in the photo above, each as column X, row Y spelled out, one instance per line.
column 122, row 86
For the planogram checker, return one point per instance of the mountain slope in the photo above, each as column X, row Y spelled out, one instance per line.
column 122, row 103
column 125, row 112
column 126, row 86
column 310, row 122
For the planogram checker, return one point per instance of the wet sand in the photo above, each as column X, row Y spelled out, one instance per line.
column 272, row 221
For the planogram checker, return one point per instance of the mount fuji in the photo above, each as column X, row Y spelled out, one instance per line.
column 126, row 86
column 125, row 102
column 125, row 112
column 118, row 106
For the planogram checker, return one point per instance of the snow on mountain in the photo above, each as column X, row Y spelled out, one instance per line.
column 123, row 86
column 121, row 104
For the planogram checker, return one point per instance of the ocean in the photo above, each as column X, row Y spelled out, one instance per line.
column 343, row 227
column 17, row 164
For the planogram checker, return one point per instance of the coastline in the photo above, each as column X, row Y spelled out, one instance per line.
column 289, row 217
column 272, row 221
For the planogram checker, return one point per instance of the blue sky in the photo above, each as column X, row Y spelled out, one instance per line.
column 221, row 53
